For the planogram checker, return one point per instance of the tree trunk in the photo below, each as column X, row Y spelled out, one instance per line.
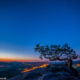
column 70, row 63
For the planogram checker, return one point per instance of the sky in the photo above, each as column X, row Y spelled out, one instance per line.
column 24, row 23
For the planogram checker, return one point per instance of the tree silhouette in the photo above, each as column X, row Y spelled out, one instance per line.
column 69, row 53
column 57, row 52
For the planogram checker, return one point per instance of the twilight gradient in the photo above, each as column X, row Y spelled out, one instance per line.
column 24, row 23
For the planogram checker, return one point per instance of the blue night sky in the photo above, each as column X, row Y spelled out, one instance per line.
column 24, row 23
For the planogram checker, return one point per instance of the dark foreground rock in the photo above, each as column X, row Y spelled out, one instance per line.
column 51, row 72
column 59, row 76
column 60, row 72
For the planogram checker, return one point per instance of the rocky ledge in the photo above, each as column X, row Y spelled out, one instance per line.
column 53, row 72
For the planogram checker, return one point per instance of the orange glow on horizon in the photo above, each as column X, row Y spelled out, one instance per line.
column 17, row 60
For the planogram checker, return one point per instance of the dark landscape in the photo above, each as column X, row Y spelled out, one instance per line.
column 38, row 71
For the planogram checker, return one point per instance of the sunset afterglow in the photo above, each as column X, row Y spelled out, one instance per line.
column 18, row 60
column 23, row 24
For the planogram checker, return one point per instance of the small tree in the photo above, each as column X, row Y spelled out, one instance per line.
column 57, row 52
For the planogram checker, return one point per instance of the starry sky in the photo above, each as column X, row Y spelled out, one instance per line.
column 24, row 23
